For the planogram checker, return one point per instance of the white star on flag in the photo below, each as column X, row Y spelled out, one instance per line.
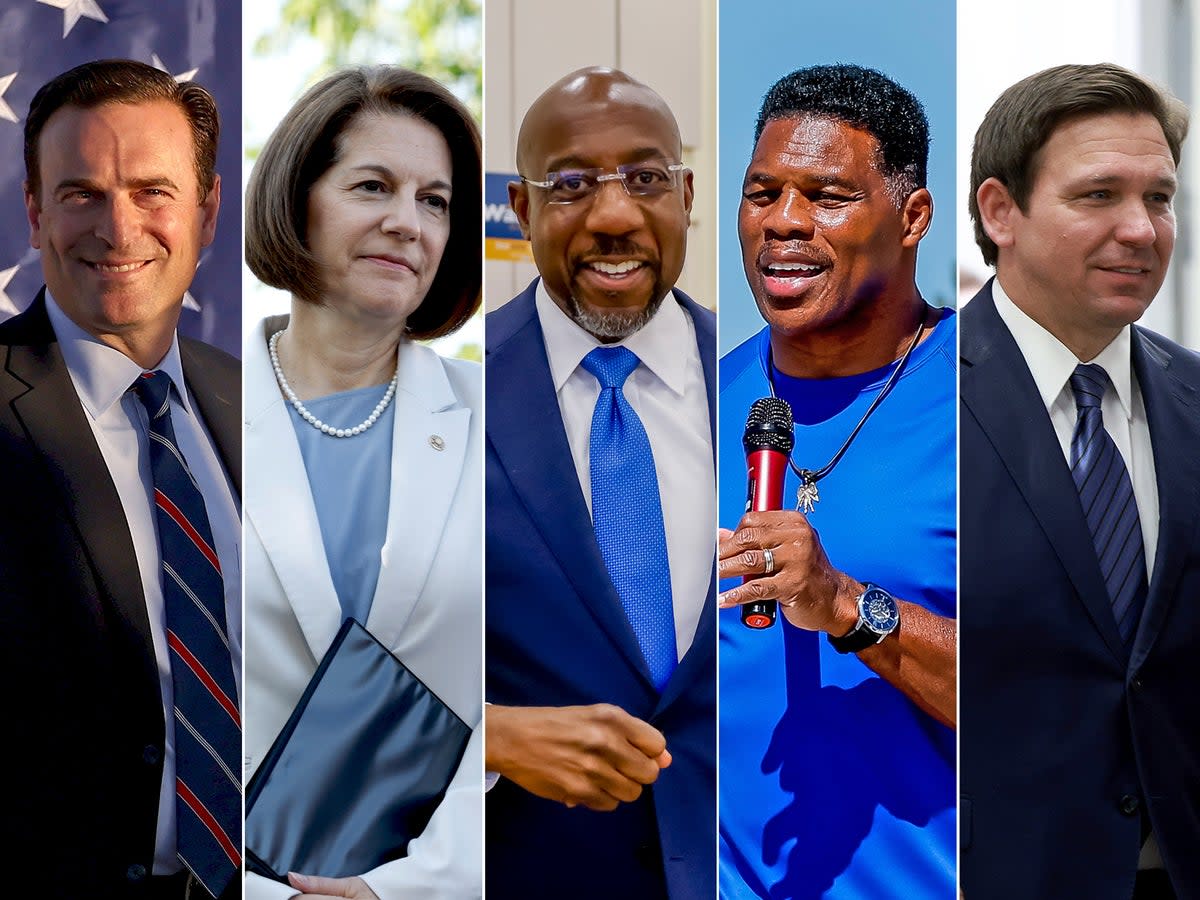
column 74, row 10
column 180, row 78
column 6, row 111
column 189, row 302
column 6, row 303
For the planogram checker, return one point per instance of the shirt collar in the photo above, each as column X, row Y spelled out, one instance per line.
column 656, row 343
column 102, row 374
column 1051, row 363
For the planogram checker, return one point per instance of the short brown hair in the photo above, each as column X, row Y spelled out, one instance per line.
column 1024, row 117
column 306, row 144
column 124, row 81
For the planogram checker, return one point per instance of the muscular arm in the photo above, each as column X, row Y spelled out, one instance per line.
column 918, row 658
column 595, row 756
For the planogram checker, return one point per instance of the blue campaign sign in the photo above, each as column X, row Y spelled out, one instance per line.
column 499, row 219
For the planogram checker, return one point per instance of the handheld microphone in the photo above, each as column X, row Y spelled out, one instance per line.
column 768, row 442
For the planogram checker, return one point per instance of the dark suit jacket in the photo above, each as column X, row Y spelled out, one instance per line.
column 557, row 635
column 80, row 689
column 1066, row 741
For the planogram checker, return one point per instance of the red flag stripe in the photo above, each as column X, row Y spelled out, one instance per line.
column 202, row 673
column 165, row 504
column 193, row 802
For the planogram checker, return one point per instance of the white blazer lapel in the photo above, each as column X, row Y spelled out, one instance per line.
column 279, row 504
column 429, row 445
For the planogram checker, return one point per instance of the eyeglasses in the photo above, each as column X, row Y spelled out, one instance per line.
column 640, row 179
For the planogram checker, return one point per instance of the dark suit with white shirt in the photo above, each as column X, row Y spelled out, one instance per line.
column 79, row 684
column 1067, row 738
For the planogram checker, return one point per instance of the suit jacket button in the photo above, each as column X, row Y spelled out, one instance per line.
column 1137, row 684
column 150, row 755
column 648, row 856
column 1129, row 805
column 135, row 873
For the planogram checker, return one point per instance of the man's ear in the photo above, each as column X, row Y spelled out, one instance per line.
column 918, row 214
column 209, row 208
column 996, row 211
column 33, row 213
column 518, row 200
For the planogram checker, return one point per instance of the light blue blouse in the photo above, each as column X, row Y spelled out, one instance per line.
column 350, row 480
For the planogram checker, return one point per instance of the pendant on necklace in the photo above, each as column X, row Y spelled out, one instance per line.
column 807, row 496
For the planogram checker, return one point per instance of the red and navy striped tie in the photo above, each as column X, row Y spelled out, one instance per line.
column 1106, row 494
column 208, row 738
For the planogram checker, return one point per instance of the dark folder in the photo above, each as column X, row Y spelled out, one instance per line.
column 358, row 769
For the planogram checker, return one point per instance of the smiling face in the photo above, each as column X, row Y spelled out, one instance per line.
column 1090, row 251
column 608, row 259
column 119, row 220
column 822, row 239
column 379, row 217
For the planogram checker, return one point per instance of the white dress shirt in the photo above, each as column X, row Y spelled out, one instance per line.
column 1124, row 413
column 668, row 393
column 102, row 376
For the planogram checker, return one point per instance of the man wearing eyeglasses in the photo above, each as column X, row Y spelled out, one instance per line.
column 600, row 514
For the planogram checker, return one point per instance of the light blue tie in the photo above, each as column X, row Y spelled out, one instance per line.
column 627, row 512
column 1106, row 494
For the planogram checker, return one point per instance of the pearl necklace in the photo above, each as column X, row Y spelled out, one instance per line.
column 313, row 420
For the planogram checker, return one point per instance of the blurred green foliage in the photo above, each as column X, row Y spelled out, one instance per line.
column 440, row 38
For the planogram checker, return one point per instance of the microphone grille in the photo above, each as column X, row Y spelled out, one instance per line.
column 769, row 426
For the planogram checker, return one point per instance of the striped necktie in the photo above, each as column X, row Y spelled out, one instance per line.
column 1106, row 494
column 207, row 722
column 627, row 512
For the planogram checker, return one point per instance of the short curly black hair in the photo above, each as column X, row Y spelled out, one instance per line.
column 864, row 99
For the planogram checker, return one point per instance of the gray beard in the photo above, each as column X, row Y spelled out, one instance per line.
column 612, row 325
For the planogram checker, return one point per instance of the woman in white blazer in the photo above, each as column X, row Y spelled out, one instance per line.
column 363, row 487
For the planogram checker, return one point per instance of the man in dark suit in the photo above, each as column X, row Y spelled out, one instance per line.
column 1080, row 497
column 601, row 643
column 121, row 196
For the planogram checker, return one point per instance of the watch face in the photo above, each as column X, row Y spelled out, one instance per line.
column 879, row 611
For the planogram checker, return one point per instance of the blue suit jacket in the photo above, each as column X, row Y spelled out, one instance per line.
column 1065, row 739
column 557, row 635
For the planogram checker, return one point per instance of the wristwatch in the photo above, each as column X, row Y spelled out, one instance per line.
column 878, row 616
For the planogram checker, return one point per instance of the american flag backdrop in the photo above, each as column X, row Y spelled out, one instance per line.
column 197, row 40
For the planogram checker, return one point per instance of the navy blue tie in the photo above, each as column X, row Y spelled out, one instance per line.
column 1106, row 494
column 208, row 738
column 627, row 512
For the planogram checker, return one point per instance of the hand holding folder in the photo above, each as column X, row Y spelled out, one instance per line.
column 358, row 769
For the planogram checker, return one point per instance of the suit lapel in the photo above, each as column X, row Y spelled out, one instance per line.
column 697, row 663
column 999, row 392
column 525, row 429
column 220, row 406
column 1172, row 412
column 53, row 417
column 280, row 506
column 424, row 481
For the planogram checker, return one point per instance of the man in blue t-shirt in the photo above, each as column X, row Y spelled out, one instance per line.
column 837, row 749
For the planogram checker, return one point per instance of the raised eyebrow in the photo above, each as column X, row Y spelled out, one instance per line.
column 1163, row 182
column 74, row 184
column 576, row 163
column 377, row 169
column 1167, row 182
column 762, row 178
column 822, row 181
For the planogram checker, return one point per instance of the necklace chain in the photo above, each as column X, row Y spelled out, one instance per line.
column 313, row 420
column 807, row 495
